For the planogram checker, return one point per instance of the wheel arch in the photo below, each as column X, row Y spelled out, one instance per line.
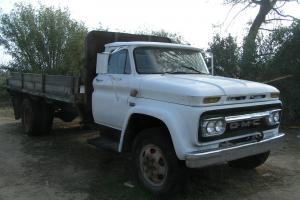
column 138, row 122
column 154, row 118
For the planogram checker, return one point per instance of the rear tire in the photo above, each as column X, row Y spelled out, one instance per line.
column 30, row 118
column 155, row 163
column 250, row 162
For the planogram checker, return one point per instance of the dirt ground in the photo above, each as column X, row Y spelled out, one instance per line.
column 63, row 166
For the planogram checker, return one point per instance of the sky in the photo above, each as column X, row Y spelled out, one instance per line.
column 196, row 20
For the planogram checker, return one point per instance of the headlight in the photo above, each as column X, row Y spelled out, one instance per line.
column 213, row 127
column 276, row 117
column 220, row 126
column 273, row 118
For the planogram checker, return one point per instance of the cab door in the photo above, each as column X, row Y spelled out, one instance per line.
column 115, row 87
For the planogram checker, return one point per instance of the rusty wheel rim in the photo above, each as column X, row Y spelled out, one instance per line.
column 153, row 165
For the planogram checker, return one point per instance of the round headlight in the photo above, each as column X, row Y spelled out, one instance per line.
column 273, row 118
column 210, row 127
column 220, row 126
column 276, row 117
column 270, row 119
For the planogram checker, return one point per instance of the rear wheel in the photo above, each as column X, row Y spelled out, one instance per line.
column 156, row 165
column 30, row 118
column 250, row 162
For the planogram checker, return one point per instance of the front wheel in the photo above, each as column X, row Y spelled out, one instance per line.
column 250, row 162
column 156, row 165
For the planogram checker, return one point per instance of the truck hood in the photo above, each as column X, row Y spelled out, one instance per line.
column 190, row 89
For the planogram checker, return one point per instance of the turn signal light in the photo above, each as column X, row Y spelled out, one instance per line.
column 208, row 100
column 275, row 95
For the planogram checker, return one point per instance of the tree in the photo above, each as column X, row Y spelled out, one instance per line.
column 286, row 61
column 226, row 53
column 269, row 10
column 42, row 40
column 176, row 38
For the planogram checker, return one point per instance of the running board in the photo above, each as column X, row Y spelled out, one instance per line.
column 104, row 143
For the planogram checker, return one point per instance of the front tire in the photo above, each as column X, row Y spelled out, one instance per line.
column 155, row 163
column 250, row 162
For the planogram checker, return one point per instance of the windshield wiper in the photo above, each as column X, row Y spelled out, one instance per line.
column 191, row 68
column 174, row 72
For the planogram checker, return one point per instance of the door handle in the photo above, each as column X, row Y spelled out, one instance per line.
column 99, row 80
column 117, row 79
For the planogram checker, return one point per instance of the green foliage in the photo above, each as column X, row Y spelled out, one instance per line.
column 276, row 55
column 3, row 93
column 176, row 38
column 286, row 61
column 226, row 53
column 42, row 40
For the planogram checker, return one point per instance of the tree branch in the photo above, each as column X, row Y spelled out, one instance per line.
column 265, row 29
column 278, row 19
column 283, row 15
column 237, row 14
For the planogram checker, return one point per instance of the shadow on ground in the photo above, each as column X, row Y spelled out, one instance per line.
column 62, row 165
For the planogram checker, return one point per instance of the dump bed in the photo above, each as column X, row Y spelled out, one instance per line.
column 54, row 87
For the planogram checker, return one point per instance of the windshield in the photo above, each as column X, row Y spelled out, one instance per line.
column 159, row 60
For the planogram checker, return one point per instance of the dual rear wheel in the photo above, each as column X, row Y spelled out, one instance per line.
column 37, row 117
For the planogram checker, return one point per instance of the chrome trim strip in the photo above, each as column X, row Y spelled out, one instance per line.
column 250, row 116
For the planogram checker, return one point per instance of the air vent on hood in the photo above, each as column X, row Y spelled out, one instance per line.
column 237, row 98
column 250, row 97
column 260, row 96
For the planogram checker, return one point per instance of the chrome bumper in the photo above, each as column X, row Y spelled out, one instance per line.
column 202, row 159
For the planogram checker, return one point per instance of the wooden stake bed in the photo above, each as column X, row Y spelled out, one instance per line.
column 55, row 87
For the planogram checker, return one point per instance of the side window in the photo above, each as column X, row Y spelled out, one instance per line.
column 119, row 63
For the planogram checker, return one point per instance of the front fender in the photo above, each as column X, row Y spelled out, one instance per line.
column 171, row 116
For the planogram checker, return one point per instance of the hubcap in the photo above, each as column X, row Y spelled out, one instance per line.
column 153, row 165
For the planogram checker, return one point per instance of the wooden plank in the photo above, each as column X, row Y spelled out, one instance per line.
column 33, row 82
column 56, row 87
column 59, row 80
column 15, row 76
column 14, row 80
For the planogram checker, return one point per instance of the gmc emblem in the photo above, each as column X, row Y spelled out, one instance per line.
column 244, row 124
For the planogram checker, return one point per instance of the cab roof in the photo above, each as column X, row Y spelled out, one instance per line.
column 150, row 44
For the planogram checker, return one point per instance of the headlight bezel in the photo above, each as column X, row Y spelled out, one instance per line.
column 214, row 121
column 271, row 120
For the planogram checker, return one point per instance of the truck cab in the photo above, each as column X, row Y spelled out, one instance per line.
column 168, row 109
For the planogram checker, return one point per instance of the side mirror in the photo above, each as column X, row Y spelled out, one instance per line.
column 102, row 61
column 210, row 59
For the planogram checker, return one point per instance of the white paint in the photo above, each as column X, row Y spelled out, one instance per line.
column 174, row 99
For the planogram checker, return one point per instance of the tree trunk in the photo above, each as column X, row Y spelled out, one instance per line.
column 249, row 48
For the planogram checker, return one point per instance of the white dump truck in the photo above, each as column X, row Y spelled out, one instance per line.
column 157, row 101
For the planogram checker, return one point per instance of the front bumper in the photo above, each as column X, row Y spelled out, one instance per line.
column 205, row 158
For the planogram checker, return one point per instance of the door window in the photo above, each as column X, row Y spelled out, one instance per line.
column 119, row 63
